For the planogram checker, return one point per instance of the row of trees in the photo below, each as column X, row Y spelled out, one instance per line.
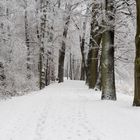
column 100, row 73
column 42, row 40
column 34, row 38
column 99, row 67
column 27, row 54
column 102, row 34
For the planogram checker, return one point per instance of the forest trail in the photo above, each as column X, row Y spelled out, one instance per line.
column 68, row 111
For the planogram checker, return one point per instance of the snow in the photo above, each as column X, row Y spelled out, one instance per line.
column 68, row 111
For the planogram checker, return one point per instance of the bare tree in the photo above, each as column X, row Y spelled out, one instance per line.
column 95, row 40
column 136, row 101
column 63, row 47
column 107, row 58
column 41, row 31
column 27, row 41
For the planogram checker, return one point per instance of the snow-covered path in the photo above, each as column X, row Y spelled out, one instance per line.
column 68, row 111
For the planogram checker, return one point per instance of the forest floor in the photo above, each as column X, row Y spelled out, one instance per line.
column 68, row 111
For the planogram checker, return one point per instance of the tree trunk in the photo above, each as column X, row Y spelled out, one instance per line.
column 82, row 47
column 70, row 70
column 50, row 50
column 27, row 41
column 47, row 77
column 136, row 101
column 61, row 62
column 63, row 47
column 95, row 39
column 83, row 65
column 41, row 35
column 98, row 82
column 107, row 62
column 93, row 64
column 2, row 78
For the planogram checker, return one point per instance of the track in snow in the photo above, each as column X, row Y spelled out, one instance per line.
column 66, row 111
column 65, row 118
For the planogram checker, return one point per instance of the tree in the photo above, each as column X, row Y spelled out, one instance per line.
column 27, row 42
column 70, row 69
column 63, row 47
column 136, row 101
column 107, row 58
column 41, row 31
column 82, row 47
column 95, row 40
column 2, row 79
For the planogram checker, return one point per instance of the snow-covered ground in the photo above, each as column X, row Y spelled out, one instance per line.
column 68, row 111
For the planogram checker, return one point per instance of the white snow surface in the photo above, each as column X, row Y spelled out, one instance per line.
column 69, row 111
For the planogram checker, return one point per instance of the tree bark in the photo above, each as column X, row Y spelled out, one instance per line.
column 47, row 77
column 107, row 62
column 2, row 78
column 61, row 62
column 70, row 71
column 98, row 84
column 136, row 101
column 62, row 50
column 95, row 39
column 41, row 35
column 82, row 47
column 83, row 65
column 27, row 41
